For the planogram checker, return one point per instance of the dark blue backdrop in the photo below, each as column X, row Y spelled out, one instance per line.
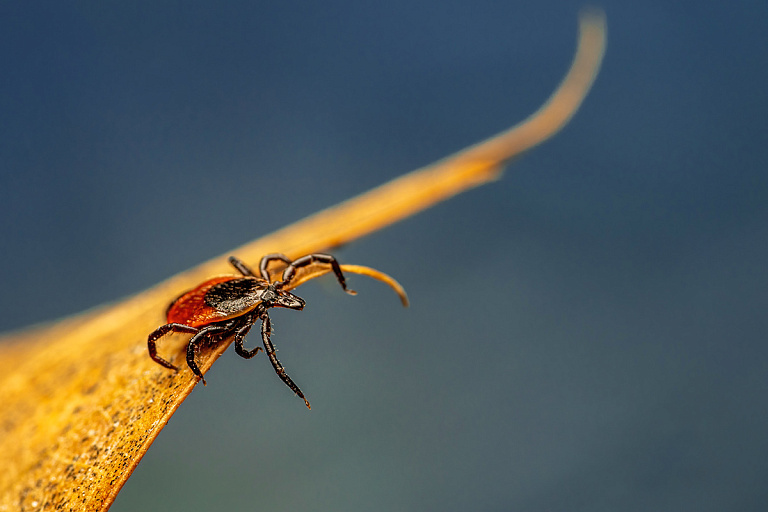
column 587, row 334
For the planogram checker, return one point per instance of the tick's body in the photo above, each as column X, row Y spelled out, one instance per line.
column 227, row 306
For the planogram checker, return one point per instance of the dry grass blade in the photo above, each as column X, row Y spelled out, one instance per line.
column 82, row 402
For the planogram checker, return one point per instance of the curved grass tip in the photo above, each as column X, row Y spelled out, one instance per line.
column 318, row 270
column 379, row 276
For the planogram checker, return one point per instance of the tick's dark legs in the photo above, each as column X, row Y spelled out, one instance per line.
column 194, row 344
column 266, row 330
column 290, row 271
column 240, row 336
column 265, row 260
column 159, row 333
column 240, row 266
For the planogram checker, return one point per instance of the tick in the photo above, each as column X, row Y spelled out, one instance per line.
column 228, row 306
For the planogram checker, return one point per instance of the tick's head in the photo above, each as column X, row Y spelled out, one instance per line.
column 275, row 298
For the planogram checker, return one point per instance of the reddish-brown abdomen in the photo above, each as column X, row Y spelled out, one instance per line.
column 191, row 308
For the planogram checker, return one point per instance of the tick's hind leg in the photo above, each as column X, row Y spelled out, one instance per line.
column 203, row 335
column 266, row 330
column 159, row 333
column 240, row 266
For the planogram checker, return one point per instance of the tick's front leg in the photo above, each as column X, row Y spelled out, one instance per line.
column 266, row 330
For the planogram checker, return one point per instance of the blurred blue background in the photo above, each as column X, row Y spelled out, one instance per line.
column 587, row 334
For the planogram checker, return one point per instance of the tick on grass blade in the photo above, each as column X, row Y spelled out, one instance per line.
column 228, row 306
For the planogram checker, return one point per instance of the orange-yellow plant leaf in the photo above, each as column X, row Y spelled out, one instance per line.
column 81, row 400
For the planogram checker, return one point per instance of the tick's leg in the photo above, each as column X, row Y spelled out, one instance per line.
column 240, row 336
column 240, row 266
column 193, row 346
column 266, row 330
column 269, row 258
column 159, row 333
column 290, row 272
